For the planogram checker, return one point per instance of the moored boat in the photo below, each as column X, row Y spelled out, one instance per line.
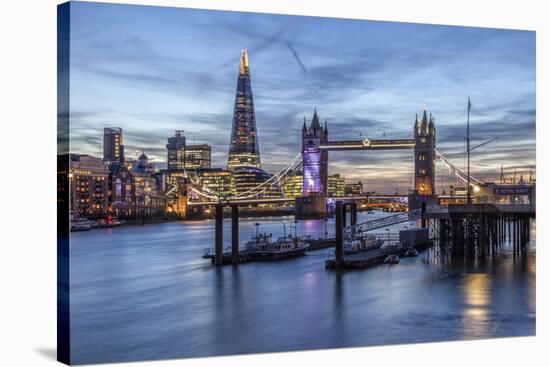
column 392, row 259
column 411, row 252
column 282, row 248
column 80, row 223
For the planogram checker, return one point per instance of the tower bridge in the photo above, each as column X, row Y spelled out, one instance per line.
column 316, row 145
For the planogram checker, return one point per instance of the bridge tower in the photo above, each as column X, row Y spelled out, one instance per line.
column 315, row 170
column 424, row 161
column 315, row 160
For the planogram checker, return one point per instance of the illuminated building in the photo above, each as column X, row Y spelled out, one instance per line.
column 198, row 156
column 149, row 199
column 148, row 193
column 218, row 181
column 173, row 184
column 176, row 151
column 354, row 189
column 243, row 148
column 336, row 186
column 122, row 191
column 424, row 155
column 292, row 188
column 247, row 178
column 113, row 149
column 143, row 165
column 88, row 179
column 315, row 160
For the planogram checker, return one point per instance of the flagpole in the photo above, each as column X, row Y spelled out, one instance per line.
column 469, row 196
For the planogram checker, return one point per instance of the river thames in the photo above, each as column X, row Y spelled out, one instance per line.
column 145, row 293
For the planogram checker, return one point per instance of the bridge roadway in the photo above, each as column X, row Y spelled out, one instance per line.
column 367, row 144
column 291, row 200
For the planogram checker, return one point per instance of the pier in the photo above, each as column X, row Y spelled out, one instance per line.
column 479, row 230
column 371, row 257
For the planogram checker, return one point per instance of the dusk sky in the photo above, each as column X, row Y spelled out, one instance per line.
column 153, row 70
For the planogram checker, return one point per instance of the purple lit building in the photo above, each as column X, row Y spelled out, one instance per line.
column 315, row 159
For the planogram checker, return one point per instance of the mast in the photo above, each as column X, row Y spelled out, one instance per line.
column 469, row 196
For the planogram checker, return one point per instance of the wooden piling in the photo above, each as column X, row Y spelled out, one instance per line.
column 234, row 234
column 218, row 260
column 353, row 214
column 339, row 234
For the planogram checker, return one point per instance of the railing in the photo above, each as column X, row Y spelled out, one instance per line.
column 389, row 220
column 517, row 208
column 437, row 209
column 398, row 218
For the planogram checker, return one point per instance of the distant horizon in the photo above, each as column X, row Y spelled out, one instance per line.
column 153, row 70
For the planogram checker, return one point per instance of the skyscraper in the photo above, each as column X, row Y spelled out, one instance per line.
column 243, row 148
column 198, row 156
column 113, row 150
column 176, row 151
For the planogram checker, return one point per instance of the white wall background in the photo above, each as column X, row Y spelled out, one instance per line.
column 27, row 184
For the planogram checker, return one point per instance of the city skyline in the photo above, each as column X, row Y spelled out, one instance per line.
column 365, row 78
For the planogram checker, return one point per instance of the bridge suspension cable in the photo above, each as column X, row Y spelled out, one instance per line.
column 273, row 179
column 463, row 176
column 278, row 179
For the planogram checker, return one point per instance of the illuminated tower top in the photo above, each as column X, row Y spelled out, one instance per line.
column 424, row 155
column 243, row 148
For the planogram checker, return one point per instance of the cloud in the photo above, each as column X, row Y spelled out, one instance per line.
column 157, row 70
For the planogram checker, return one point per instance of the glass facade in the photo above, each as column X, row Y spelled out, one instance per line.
column 176, row 151
column 247, row 178
column 218, row 181
column 243, row 148
column 198, row 156
column 354, row 189
column 113, row 150
column 336, row 185
column 292, row 188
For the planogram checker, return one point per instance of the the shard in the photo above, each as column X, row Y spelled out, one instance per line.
column 243, row 147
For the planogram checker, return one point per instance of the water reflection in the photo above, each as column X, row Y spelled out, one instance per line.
column 476, row 290
column 145, row 293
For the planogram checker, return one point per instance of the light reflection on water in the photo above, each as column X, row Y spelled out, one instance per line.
column 477, row 292
column 145, row 293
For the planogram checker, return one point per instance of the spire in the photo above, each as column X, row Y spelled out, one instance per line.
column 243, row 147
column 304, row 128
column 243, row 66
column 315, row 121
column 326, row 129
column 424, row 121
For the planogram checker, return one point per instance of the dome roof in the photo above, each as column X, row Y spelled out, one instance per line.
column 143, row 157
